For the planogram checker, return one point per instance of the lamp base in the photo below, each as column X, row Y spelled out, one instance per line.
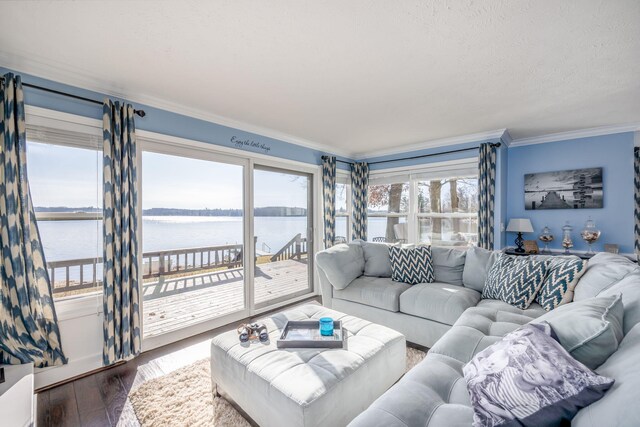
column 519, row 244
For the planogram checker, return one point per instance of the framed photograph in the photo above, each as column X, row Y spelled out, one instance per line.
column 570, row 189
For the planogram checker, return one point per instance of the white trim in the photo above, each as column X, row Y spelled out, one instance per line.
column 636, row 139
column 442, row 142
column 71, row 77
column 77, row 366
column 428, row 168
column 574, row 134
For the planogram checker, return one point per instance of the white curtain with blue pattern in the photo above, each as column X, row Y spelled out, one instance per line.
column 329, row 196
column 486, row 194
column 121, row 288
column 636, row 180
column 28, row 323
column 359, row 199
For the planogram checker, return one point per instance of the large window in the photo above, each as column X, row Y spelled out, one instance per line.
column 448, row 211
column 65, row 177
column 388, row 209
column 436, row 205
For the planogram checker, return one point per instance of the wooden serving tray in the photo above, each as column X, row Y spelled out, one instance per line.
column 306, row 334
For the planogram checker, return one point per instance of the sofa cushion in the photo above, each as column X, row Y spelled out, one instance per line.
column 590, row 330
column 448, row 264
column 562, row 278
column 478, row 262
column 529, row 376
column 515, row 280
column 629, row 288
column 534, row 310
column 341, row 264
column 437, row 301
column 376, row 259
column 604, row 270
column 380, row 292
column 479, row 327
column 620, row 406
column 411, row 264
column 433, row 393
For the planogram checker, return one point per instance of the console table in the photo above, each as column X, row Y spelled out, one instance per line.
column 17, row 401
column 511, row 251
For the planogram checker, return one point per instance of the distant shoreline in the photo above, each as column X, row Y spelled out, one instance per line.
column 281, row 211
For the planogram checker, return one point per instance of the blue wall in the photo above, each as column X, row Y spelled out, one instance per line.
column 614, row 153
column 165, row 122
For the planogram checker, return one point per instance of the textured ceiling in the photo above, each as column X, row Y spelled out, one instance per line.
column 356, row 75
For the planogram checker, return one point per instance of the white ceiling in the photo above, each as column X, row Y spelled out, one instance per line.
column 358, row 76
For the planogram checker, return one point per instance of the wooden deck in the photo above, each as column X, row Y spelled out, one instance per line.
column 175, row 303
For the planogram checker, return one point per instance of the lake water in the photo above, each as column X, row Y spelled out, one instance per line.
column 64, row 240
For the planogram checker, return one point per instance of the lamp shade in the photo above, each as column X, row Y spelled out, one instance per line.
column 520, row 225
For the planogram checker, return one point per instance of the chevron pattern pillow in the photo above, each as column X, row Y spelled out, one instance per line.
column 411, row 265
column 562, row 278
column 515, row 280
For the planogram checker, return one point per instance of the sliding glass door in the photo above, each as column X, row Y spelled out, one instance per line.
column 282, row 226
column 193, row 241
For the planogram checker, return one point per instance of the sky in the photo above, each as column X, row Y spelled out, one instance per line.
column 65, row 176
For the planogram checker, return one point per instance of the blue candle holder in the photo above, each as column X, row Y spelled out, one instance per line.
column 326, row 326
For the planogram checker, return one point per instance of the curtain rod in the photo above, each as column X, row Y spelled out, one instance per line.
column 140, row 113
column 497, row 144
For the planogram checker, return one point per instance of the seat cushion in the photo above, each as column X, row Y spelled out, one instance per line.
column 434, row 394
column 477, row 329
column 448, row 264
column 380, row 292
column 437, row 301
column 534, row 310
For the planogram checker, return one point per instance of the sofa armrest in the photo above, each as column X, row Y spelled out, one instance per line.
column 341, row 264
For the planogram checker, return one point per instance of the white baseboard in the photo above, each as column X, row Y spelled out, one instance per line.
column 45, row 377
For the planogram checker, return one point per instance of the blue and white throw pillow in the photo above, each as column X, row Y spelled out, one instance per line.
column 529, row 379
column 562, row 278
column 411, row 265
column 515, row 280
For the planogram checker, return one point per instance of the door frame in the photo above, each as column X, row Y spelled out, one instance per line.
column 165, row 144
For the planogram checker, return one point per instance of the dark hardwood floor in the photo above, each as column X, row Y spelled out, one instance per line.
column 101, row 398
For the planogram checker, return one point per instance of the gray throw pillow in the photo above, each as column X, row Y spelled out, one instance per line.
column 478, row 262
column 448, row 264
column 629, row 288
column 562, row 278
column 411, row 265
column 590, row 330
column 376, row 259
column 515, row 280
column 528, row 379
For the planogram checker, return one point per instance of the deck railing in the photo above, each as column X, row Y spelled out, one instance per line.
column 81, row 274
column 294, row 248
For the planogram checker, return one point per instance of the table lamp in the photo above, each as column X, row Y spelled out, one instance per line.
column 519, row 225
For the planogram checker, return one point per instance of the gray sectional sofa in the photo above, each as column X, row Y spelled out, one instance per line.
column 450, row 317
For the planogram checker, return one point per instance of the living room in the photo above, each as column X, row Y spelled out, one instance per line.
column 436, row 184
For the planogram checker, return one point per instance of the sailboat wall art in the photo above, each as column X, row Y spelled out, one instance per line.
column 570, row 189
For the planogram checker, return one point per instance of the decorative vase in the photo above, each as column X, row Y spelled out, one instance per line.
column 567, row 243
column 326, row 326
column 546, row 237
column 590, row 234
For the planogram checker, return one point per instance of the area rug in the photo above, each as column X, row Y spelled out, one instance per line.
column 184, row 397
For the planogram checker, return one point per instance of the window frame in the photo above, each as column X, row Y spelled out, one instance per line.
column 343, row 177
column 413, row 175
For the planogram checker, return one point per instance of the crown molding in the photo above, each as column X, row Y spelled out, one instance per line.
column 442, row 142
column 59, row 73
column 575, row 134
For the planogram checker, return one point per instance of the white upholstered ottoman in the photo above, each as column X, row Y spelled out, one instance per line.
column 308, row 387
